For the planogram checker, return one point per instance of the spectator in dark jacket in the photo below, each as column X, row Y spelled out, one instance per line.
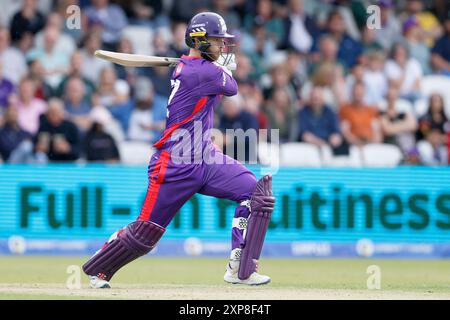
column 233, row 118
column 57, row 137
column 11, row 135
column 99, row 145
column 318, row 123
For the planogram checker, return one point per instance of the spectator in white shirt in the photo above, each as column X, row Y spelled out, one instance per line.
column 13, row 61
column 92, row 66
column 404, row 73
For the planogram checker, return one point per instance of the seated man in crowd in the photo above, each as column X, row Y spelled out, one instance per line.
column 440, row 54
column 234, row 117
column 12, row 137
column 318, row 123
column 398, row 126
column 148, row 119
column 360, row 123
column 99, row 145
column 57, row 137
column 76, row 103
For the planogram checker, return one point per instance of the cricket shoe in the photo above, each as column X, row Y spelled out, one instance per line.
column 231, row 276
column 98, row 283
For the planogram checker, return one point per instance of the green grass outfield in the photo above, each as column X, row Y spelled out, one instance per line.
column 201, row 278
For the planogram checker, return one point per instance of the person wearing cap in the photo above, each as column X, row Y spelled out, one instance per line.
column 390, row 31
column 416, row 46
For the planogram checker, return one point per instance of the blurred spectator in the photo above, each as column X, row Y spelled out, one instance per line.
column 429, row 27
column 348, row 49
column 328, row 53
column 398, row 127
column 57, row 137
column 359, row 122
column 29, row 107
column 222, row 7
column 318, row 124
column 160, row 76
column 432, row 131
column 105, row 89
column 123, row 105
column 281, row 114
column 404, row 73
column 300, row 29
column 108, row 18
column 185, row 10
column 92, row 66
column 148, row 120
column 233, row 117
column 27, row 20
column 178, row 44
column 75, row 70
column 280, row 78
column 244, row 71
column 6, row 89
column 416, row 46
column 390, row 30
column 258, row 47
column 369, row 41
column 374, row 78
column 264, row 16
column 331, row 78
column 349, row 11
column 129, row 74
column 99, row 145
column 12, row 136
column 64, row 43
column 102, row 115
column 253, row 101
column 76, row 103
column 13, row 61
column 37, row 74
column 54, row 61
column 440, row 55
column 148, row 13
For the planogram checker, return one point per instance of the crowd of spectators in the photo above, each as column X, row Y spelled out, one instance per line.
column 314, row 70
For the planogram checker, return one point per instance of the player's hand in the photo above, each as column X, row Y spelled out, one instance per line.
column 229, row 66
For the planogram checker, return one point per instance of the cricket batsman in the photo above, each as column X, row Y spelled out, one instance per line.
column 198, row 83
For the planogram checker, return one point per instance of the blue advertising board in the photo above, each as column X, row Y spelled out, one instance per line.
column 72, row 209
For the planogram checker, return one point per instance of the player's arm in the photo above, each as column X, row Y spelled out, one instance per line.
column 218, row 80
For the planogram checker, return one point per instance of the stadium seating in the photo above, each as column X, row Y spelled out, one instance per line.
column 352, row 160
column 134, row 152
column 300, row 154
column 381, row 155
column 268, row 154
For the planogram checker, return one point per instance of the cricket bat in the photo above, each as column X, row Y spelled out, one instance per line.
column 136, row 60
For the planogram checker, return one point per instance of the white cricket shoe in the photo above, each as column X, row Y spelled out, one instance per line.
column 231, row 276
column 97, row 283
